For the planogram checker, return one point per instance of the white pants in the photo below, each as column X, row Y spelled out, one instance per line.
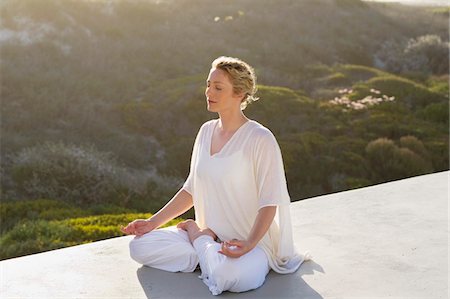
column 169, row 249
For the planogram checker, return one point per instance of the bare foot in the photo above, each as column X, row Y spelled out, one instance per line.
column 184, row 225
column 191, row 227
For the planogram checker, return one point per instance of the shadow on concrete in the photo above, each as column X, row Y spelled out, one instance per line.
column 162, row 284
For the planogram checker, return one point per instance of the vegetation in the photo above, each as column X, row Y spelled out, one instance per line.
column 101, row 102
column 47, row 224
column 423, row 54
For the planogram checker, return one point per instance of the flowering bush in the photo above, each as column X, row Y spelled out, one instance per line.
column 364, row 103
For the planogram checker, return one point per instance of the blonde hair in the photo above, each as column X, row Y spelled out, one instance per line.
column 242, row 77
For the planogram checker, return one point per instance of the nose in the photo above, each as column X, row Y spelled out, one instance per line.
column 207, row 92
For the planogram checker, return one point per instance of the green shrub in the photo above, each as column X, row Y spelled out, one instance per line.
column 436, row 112
column 317, row 70
column 385, row 124
column 409, row 163
column 405, row 91
column 439, row 85
column 34, row 236
column 100, row 209
column 433, row 49
column 391, row 162
column 380, row 152
column 439, row 149
column 353, row 183
column 75, row 174
column 306, row 159
column 358, row 73
column 336, row 79
column 415, row 145
column 278, row 103
column 14, row 212
column 159, row 191
column 424, row 54
column 41, row 235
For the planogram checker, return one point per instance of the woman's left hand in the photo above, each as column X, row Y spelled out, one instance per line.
column 236, row 248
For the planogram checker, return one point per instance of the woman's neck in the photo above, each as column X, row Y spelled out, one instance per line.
column 230, row 122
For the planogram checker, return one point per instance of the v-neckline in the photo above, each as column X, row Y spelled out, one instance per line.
column 226, row 143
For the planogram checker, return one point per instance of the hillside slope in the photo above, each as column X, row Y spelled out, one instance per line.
column 127, row 77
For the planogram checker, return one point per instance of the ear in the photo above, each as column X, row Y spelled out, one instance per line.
column 240, row 96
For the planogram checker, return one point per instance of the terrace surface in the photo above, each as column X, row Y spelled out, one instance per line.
column 384, row 241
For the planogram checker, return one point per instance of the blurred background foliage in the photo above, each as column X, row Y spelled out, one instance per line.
column 101, row 102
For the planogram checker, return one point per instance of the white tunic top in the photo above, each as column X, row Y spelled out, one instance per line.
column 229, row 187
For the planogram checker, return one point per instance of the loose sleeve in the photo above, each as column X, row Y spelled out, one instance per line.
column 189, row 183
column 187, row 186
column 270, row 176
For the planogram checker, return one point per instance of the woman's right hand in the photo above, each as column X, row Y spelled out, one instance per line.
column 139, row 227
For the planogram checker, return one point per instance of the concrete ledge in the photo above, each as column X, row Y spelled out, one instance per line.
column 384, row 241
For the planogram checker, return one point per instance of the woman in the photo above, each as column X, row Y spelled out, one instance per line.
column 238, row 189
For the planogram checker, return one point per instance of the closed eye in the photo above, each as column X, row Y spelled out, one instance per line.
column 216, row 87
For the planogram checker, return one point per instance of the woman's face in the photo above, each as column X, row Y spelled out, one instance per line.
column 219, row 92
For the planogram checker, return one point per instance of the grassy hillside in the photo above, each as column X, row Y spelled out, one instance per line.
column 327, row 141
column 40, row 225
column 101, row 100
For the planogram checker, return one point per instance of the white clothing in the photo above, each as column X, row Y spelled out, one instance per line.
column 229, row 187
column 221, row 273
column 166, row 249
column 169, row 249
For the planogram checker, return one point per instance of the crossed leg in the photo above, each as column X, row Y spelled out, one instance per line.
column 221, row 273
column 182, row 248
column 166, row 249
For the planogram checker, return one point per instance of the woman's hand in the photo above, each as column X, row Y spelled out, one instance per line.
column 139, row 227
column 236, row 248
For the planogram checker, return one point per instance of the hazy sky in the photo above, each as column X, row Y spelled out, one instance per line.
column 418, row 2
